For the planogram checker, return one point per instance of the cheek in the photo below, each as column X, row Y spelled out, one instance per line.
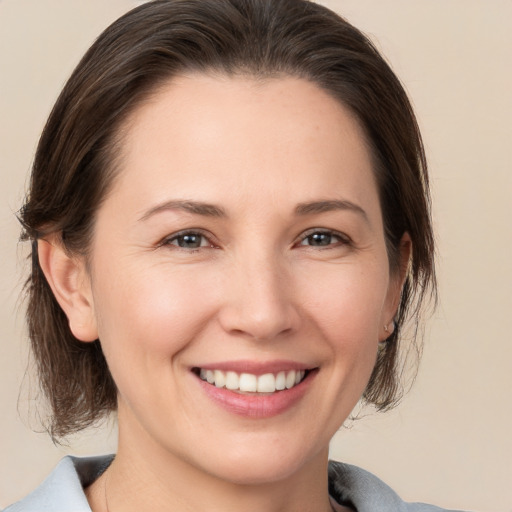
column 150, row 314
column 347, row 301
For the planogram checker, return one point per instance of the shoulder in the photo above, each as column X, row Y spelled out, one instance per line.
column 63, row 489
column 366, row 493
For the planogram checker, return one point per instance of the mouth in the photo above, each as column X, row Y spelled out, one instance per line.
column 256, row 390
column 249, row 383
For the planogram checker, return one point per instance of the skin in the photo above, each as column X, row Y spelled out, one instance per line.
column 257, row 288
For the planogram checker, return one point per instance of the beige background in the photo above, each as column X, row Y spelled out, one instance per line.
column 451, row 440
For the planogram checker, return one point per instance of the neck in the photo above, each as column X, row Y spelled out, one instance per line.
column 178, row 487
column 145, row 478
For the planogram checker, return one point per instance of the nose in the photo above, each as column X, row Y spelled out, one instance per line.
column 258, row 300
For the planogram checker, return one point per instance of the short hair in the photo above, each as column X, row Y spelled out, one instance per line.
column 74, row 166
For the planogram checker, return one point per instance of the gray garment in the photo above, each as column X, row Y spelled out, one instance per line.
column 354, row 487
column 63, row 491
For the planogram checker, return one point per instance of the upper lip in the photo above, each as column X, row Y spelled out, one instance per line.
column 255, row 367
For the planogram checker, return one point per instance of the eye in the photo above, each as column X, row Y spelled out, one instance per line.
column 188, row 240
column 323, row 238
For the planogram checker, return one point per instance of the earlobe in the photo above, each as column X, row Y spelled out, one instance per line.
column 396, row 285
column 70, row 284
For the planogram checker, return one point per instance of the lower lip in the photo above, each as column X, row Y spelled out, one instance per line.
column 257, row 405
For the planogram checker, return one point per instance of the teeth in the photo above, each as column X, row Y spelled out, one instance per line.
column 290, row 380
column 266, row 383
column 232, row 380
column 280, row 381
column 220, row 378
column 249, row 383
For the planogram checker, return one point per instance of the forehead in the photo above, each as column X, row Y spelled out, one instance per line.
column 243, row 134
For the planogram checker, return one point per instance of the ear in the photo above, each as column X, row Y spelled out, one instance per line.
column 70, row 283
column 396, row 283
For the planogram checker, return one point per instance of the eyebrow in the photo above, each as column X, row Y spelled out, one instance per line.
column 211, row 210
column 329, row 206
column 195, row 207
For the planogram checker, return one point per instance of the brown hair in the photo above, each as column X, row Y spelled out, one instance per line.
column 75, row 160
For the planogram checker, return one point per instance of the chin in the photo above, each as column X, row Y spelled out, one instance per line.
column 262, row 466
column 248, row 473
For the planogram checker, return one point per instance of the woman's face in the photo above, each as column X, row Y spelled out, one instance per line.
column 242, row 245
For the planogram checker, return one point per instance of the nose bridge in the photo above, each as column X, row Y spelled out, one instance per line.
column 258, row 299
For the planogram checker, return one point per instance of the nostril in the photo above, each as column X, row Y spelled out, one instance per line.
column 261, row 323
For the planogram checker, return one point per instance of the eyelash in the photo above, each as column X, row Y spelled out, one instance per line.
column 192, row 233
column 341, row 239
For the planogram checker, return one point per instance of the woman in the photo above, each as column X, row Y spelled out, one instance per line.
column 229, row 214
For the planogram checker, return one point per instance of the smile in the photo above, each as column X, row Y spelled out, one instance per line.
column 251, row 383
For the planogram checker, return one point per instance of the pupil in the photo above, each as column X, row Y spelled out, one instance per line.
column 320, row 239
column 190, row 241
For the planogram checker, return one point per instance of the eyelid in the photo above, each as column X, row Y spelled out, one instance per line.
column 166, row 241
column 345, row 239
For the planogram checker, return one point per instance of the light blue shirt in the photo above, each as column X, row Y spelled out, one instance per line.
column 63, row 490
